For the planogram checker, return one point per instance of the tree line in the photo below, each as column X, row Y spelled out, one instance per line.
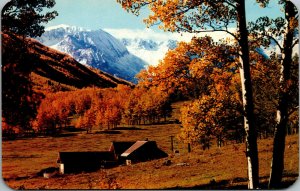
column 101, row 108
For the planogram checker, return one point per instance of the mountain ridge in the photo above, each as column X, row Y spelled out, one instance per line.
column 52, row 66
column 95, row 48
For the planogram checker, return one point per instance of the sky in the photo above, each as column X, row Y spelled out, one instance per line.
column 108, row 14
column 95, row 14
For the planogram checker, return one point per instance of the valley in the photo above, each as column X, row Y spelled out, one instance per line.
column 216, row 168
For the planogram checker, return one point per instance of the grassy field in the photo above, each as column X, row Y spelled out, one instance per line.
column 223, row 167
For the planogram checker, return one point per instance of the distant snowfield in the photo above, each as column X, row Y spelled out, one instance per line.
column 153, row 56
column 162, row 36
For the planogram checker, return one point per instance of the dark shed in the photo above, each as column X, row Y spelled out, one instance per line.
column 119, row 147
column 143, row 151
column 72, row 162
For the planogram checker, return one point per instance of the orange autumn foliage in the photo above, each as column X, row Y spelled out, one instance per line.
column 186, row 69
column 101, row 108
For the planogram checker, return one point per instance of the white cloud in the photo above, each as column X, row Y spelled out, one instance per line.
column 150, row 56
column 162, row 36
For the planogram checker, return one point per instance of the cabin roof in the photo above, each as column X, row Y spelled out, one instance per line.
column 118, row 147
column 133, row 148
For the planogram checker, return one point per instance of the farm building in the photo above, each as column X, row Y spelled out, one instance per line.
column 72, row 162
column 119, row 147
column 143, row 151
column 119, row 153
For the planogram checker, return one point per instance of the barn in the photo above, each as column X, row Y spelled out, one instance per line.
column 119, row 147
column 142, row 151
column 74, row 162
column 119, row 153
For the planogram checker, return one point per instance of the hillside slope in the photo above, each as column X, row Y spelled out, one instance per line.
column 54, row 67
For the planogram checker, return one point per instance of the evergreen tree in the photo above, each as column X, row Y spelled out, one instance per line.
column 20, row 18
column 25, row 17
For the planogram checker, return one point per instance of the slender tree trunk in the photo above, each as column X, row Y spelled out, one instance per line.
column 277, row 164
column 189, row 147
column 251, row 134
column 172, row 145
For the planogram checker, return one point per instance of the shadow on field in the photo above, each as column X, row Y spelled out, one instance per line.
column 64, row 135
column 73, row 129
column 108, row 132
column 128, row 128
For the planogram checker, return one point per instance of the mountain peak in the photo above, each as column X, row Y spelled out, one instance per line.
column 95, row 48
column 68, row 28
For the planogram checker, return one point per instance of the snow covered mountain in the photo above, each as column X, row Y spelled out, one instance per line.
column 148, row 44
column 150, row 50
column 119, row 52
column 95, row 48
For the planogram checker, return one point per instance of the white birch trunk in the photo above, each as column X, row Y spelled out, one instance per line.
column 246, row 126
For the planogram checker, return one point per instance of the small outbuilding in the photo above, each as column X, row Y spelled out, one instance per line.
column 119, row 147
column 119, row 153
column 142, row 151
column 74, row 162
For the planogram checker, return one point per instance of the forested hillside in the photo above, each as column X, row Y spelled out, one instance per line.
column 53, row 67
column 31, row 70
